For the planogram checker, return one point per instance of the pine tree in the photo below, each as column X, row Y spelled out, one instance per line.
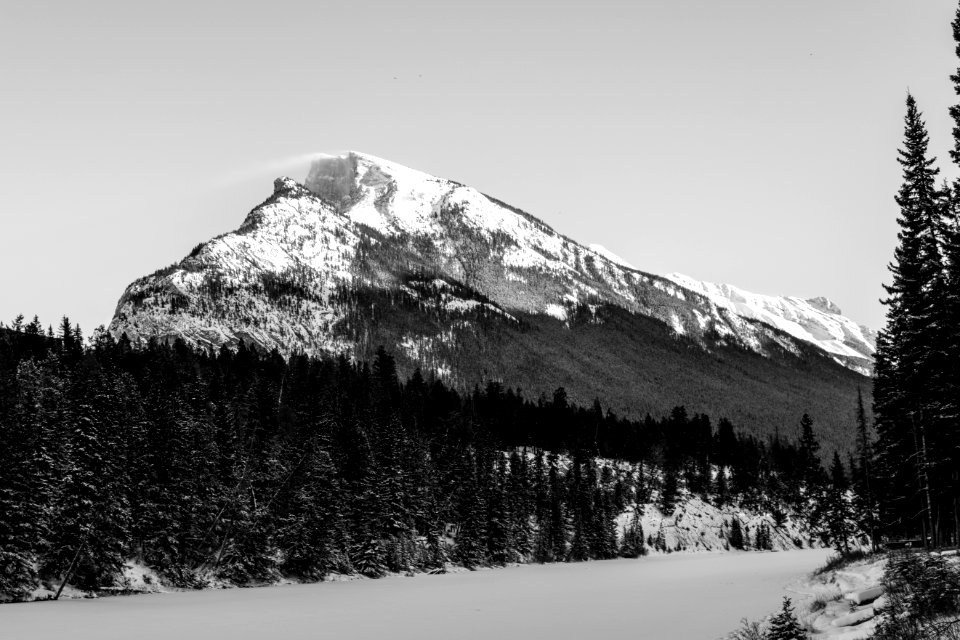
column 581, row 510
column 950, row 396
column 89, row 530
column 471, row 548
column 669, row 490
column 837, row 507
column 558, row 518
column 908, row 375
column 632, row 545
column 764, row 539
column 520, row 505
column 499, row 540
column 27, row 466
column 811, row 471
column 809, row 450
column 606, row 507
column 864, row 504
column 784, row 625
column 542, row 541
column 308, row 513
column 735, row 537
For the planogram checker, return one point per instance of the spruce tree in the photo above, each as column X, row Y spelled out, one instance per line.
column 811, row 471
column 581, row 510
column 27, row 474
column 837, row 507
column 865, row 504
column 558, row 518
column 632, row 545
column 520, row 505
column 784, row 625
column 735, row 537
column 542, row 539
column 951, row 253
column 908, row 375
column 88, row 533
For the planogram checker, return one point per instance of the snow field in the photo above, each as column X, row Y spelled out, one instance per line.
column 666, row 597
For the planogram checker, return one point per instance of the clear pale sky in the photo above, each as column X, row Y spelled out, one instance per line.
column 746, row 141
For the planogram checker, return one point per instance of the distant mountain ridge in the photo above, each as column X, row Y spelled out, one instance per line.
column 818, row 321
column 367, row 252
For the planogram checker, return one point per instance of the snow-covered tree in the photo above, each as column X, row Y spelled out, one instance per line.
column 784, row 625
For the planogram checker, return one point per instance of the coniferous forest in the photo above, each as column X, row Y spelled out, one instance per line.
column 917, row 376
column 242, row 466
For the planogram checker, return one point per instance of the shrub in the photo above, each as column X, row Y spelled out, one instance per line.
column 748, row 631
column 840, row 560
column 923, row 593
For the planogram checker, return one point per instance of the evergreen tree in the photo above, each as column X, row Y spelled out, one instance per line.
column 838, row 511
column 784, row 625
column 558, row 520
column 632, row 545
column 669, row 490
column 812, row 470
column 908, row 376
column 736, row 537
column 606, row 507
column 864, row 502
column 88, row 533
column 543, row 541
column 472, row 538
column 246, row 466
column 27, row 466
column 950, row 396
column 520, row 505
column 812, row 478
column 581, row 510
column 764, row 541
column 721, row 496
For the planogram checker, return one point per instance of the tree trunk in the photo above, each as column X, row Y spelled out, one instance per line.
column 73, row 564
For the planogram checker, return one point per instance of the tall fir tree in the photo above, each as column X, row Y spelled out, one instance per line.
column 951, row 303
column 838, row 510
column 908, row 376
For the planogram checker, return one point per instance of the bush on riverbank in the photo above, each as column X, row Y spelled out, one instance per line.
column 923, row 594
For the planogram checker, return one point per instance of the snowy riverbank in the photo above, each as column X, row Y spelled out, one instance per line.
column 680, row 596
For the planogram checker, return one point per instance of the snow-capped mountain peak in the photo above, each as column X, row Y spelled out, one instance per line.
column 363, row 223
column 825, row 304
column 817, row 320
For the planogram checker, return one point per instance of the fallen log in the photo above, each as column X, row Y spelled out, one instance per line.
column 865, row 595
column 854, row 618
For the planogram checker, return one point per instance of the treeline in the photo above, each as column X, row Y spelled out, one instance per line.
column 917, row 377
column 244, row 466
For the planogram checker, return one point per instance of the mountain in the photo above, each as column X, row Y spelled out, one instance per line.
column 816, row 320
column 368, row 252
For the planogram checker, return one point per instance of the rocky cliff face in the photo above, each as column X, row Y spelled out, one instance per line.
column 367, row 251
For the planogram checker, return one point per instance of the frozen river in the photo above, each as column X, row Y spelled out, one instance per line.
column 672, row 597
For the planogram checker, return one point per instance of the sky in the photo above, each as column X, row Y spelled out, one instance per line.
column 750, row 142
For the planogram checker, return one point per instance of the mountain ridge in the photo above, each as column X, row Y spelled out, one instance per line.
column 366, row 250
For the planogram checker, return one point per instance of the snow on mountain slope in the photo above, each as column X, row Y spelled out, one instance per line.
column 601, row 250
column 289, row 277
column 817, row 321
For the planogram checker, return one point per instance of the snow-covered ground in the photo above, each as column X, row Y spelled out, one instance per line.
column 828, row 605
column 680, row 596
